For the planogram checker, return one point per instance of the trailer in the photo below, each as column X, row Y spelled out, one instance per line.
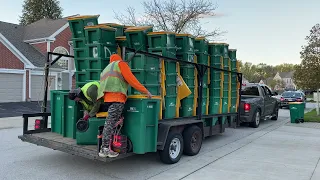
column 176, row 136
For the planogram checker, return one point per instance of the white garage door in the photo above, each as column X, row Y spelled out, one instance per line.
column 37, row 87
column 11, row 87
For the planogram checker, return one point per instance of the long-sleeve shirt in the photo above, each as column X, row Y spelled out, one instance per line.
column 132, row 81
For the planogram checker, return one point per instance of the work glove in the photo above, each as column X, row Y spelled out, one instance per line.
column 86, row 117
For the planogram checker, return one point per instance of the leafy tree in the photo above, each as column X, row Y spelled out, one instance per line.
column 182, row 16
column 285, row 67
column 307, row 74
column 272, row 83
column 34, row 10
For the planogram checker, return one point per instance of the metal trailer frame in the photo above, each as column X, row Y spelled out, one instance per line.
column 166, row 124
column 44, row 136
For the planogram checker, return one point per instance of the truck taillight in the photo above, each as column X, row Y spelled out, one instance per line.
column 281, row 99
column 247, row 107
column 38, row 123
column 299, row 100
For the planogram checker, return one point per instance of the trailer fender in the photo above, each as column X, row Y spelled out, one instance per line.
column 174, row 125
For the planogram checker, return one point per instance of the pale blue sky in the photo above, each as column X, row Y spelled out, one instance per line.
column 270, row 31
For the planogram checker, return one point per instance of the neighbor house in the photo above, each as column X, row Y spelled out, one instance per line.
column 287, row 80
column 23, row 51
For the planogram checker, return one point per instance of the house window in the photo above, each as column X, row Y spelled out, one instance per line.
column 63, row 62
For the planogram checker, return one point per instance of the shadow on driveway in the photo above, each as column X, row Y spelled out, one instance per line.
column 14, row 109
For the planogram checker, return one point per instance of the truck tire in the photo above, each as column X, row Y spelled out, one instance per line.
column 173, row 148
column 256, row 118
column 275, row 117
column 192, row 139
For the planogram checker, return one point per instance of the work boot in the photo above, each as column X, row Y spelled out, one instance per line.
column 106, row 152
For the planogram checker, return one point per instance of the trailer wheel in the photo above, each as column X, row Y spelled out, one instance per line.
column 173, row 148
column 192, row 138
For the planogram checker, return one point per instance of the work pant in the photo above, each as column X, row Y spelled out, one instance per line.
column 114, row 113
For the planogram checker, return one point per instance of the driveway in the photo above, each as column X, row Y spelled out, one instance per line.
column 18, row 108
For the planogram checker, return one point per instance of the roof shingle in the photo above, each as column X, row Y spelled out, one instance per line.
column 43, row 28
column 15, row 33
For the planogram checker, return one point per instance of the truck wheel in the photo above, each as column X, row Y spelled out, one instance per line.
column 192, row 138
column 173, row 148
column 256, row 119
column 275, row 117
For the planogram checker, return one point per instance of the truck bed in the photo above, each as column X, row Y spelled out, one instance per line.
column 68, row 145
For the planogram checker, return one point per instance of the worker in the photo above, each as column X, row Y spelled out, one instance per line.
column 114, row 82
column 87, row 96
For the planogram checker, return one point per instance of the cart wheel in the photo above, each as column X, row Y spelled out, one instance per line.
column 192, row 138
column 173, row 148
column 82, row 125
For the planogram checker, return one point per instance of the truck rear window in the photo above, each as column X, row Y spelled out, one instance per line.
column 291, row 94
column 250, row 91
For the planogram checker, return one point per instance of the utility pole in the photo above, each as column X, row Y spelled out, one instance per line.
column 318, row 102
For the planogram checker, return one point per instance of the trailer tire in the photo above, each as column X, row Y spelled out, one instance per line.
column 173, row 148
column 192, row 138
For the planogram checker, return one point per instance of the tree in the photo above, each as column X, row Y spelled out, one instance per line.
column 175, row 16
column 307, row 74
column 272, row 83
column 249, row 71
column 285, row 67
column 34, row 10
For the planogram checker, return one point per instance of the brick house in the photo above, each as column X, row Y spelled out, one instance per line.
column 23, row 51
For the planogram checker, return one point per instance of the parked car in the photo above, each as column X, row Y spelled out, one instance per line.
column 257, row 104
column 291, row 96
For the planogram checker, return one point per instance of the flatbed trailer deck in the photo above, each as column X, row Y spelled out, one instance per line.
column 68, row 145
column 44, row 137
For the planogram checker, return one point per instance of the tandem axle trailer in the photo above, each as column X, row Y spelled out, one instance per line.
column 175, row 137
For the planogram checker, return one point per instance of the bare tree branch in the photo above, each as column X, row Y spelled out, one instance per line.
column 176, row 16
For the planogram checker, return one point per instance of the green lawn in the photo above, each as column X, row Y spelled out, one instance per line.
column 311, row 116
column 309, row 96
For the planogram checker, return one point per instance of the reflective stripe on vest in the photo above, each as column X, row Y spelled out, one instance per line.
column 85, row 105
column 112, row 73
column 111, row 80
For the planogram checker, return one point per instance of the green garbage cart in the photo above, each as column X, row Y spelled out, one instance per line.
column 296, row 112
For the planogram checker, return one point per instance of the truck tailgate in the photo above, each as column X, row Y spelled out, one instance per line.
column 68, row 145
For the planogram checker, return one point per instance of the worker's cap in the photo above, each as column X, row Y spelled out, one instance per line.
column 74, row 93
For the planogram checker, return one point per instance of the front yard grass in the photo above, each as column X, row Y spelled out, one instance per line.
column 311, row 116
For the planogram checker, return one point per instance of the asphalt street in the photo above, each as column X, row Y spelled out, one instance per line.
column 20, row 161
column 18, row 108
